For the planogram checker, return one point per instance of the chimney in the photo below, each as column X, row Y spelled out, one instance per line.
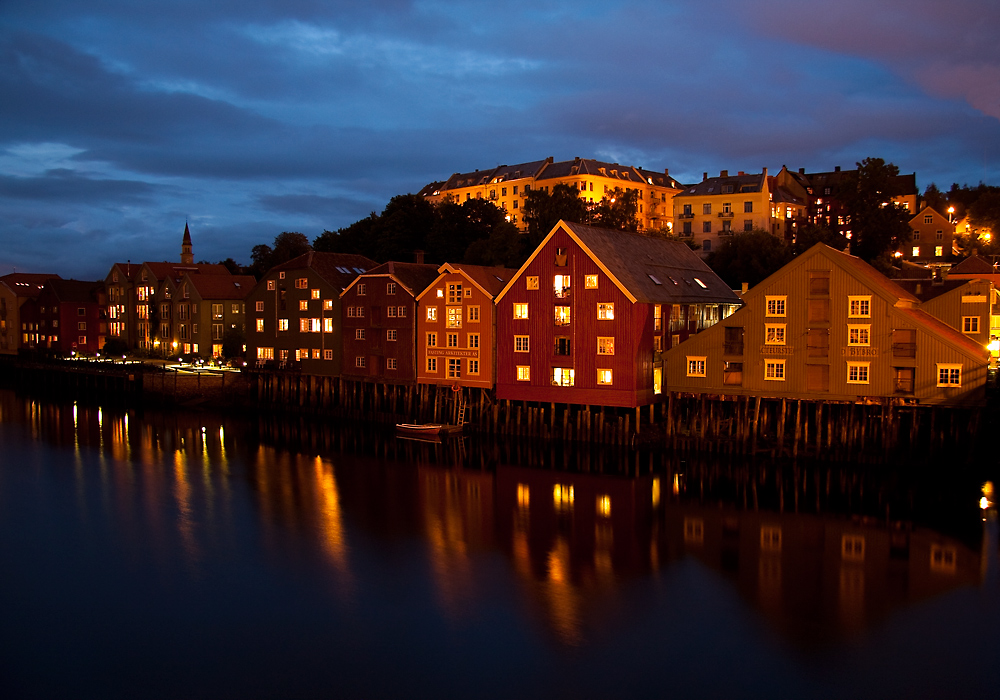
column 765, row 172
column 549, row 159
column 704, row 176
column 576, row 159
column 740, row 173
column 802, row 171
column 666, row 171
column 724, row 173
column 418, row 257
column 745, row 288
column 836, row 169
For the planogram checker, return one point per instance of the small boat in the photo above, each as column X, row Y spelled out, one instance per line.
column 427, row 429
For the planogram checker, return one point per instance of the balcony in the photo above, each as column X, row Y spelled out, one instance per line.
column 726, row 214
column 686, row 215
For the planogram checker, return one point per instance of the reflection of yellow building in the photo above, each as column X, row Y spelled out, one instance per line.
column 508, row 185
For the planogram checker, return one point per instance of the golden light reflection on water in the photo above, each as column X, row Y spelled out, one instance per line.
column 563, row 598
column 331, row 521
column 185, row 517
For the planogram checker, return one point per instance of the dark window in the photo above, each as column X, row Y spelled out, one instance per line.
column 904, row 342
column 819, row 283
column 903, row 380
column 732, row 374
column 734, row 340
column 562, row 345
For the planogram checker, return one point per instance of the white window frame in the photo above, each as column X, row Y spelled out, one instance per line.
column 696, row 365
column 859, row 306
column 863, row 337
column 778, row 373
column 861, row 372
column 951, row 379
column 776, row 306
column 774, row 333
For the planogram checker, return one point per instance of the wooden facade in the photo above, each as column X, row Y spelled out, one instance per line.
column 15, row 290
column 67, row 317
column 932, row 237
column 293, row 313
column 827, row 326
column 585, row 318
column 379, row 317
column 456, row 328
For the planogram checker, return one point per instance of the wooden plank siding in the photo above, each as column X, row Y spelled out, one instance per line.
column 631, row 330
column 900, row 339
column 477, row 361
column 388, row 303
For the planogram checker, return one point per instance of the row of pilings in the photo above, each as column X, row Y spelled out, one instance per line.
column 872, row 430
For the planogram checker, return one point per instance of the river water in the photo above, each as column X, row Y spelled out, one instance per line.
column 189, row 555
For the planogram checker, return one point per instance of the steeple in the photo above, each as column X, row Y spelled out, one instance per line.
column 187, row 255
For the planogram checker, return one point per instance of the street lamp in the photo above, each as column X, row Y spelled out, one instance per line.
column 951, row 214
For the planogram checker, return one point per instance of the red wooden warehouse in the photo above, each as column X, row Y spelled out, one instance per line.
column 586, row 317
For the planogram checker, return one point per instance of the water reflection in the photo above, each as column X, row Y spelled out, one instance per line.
column 820, row 553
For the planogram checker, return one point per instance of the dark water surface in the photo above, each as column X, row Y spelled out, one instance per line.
column 185, row 555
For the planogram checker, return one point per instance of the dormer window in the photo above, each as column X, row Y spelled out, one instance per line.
column 560, row 257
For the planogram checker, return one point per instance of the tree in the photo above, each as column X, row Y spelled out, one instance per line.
column 233, row 343
column 458, row 226
column 358, row 238
column 935, row 199
column 287, row 245
column 403, row 227
column 542, row 211
column 234, row 267
column 984, row 213
column 878, row 226
column 809, row 235
column 749, row 257
column 618, row 209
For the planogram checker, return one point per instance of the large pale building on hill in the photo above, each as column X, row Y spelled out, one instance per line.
column 508, row 185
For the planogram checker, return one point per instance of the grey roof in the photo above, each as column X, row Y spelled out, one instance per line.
column 654, row 270
column 416, row 277
column 338, row 269
column 715, row 185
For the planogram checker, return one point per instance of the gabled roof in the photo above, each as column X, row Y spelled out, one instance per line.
column 928, row 210
column 925, row 289
column 946, row 332
column 752, row 182
column 490, row 280
column 646, row 269
column 974, row 265
column 222, row 286
column 337, row 269
column 74, row 291
column 163, row 270
column 414, row 277
column 27, row 284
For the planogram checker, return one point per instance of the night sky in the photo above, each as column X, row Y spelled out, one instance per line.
column 120, row 119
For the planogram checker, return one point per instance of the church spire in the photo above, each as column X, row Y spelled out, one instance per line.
column 187, row 255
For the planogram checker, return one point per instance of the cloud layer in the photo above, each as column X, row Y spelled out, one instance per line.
column 121, row 119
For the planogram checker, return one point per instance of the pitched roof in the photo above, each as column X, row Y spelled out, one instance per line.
column 75, row 291
column 925, row 289
column 648, row 269
column 752, row 182
column 338, row 269
column 973, row 265
column 27, row 284
column 942, row 329
column 415, row 277
column 491, row 279
column 162, row 270
column 222, row 286
column 873, row 277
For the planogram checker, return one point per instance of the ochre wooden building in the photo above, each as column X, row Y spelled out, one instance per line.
column 828, row 326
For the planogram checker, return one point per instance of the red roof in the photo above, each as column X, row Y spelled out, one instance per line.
column 27, row 284
column 222, row 286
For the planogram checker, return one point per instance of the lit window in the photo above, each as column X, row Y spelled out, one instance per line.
column 432, row 313
column 520, row 343
column 561, row 286
column 916, row 251
column 302, row 283
column 604, row 376
column 523, row 373
column 562, row 315
column 531, row 281
column 606, row 312
column 775, row 306
column 270, row 285
column 859, row 307
column 454, row 317
column 328, row 304
column 260, row 325
column 857, row 372
column 315, row 294
column 282, row 324
column 696, row 366
column 520, row 311
column 590, row 281
column 774, row 370
column 303, row 305
column 949, row 375
column 328, row 325
column 858, row 335
column 970, row 324
column 605, row 346
column 774, row 333
column 938, row 251
column 563, row 376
